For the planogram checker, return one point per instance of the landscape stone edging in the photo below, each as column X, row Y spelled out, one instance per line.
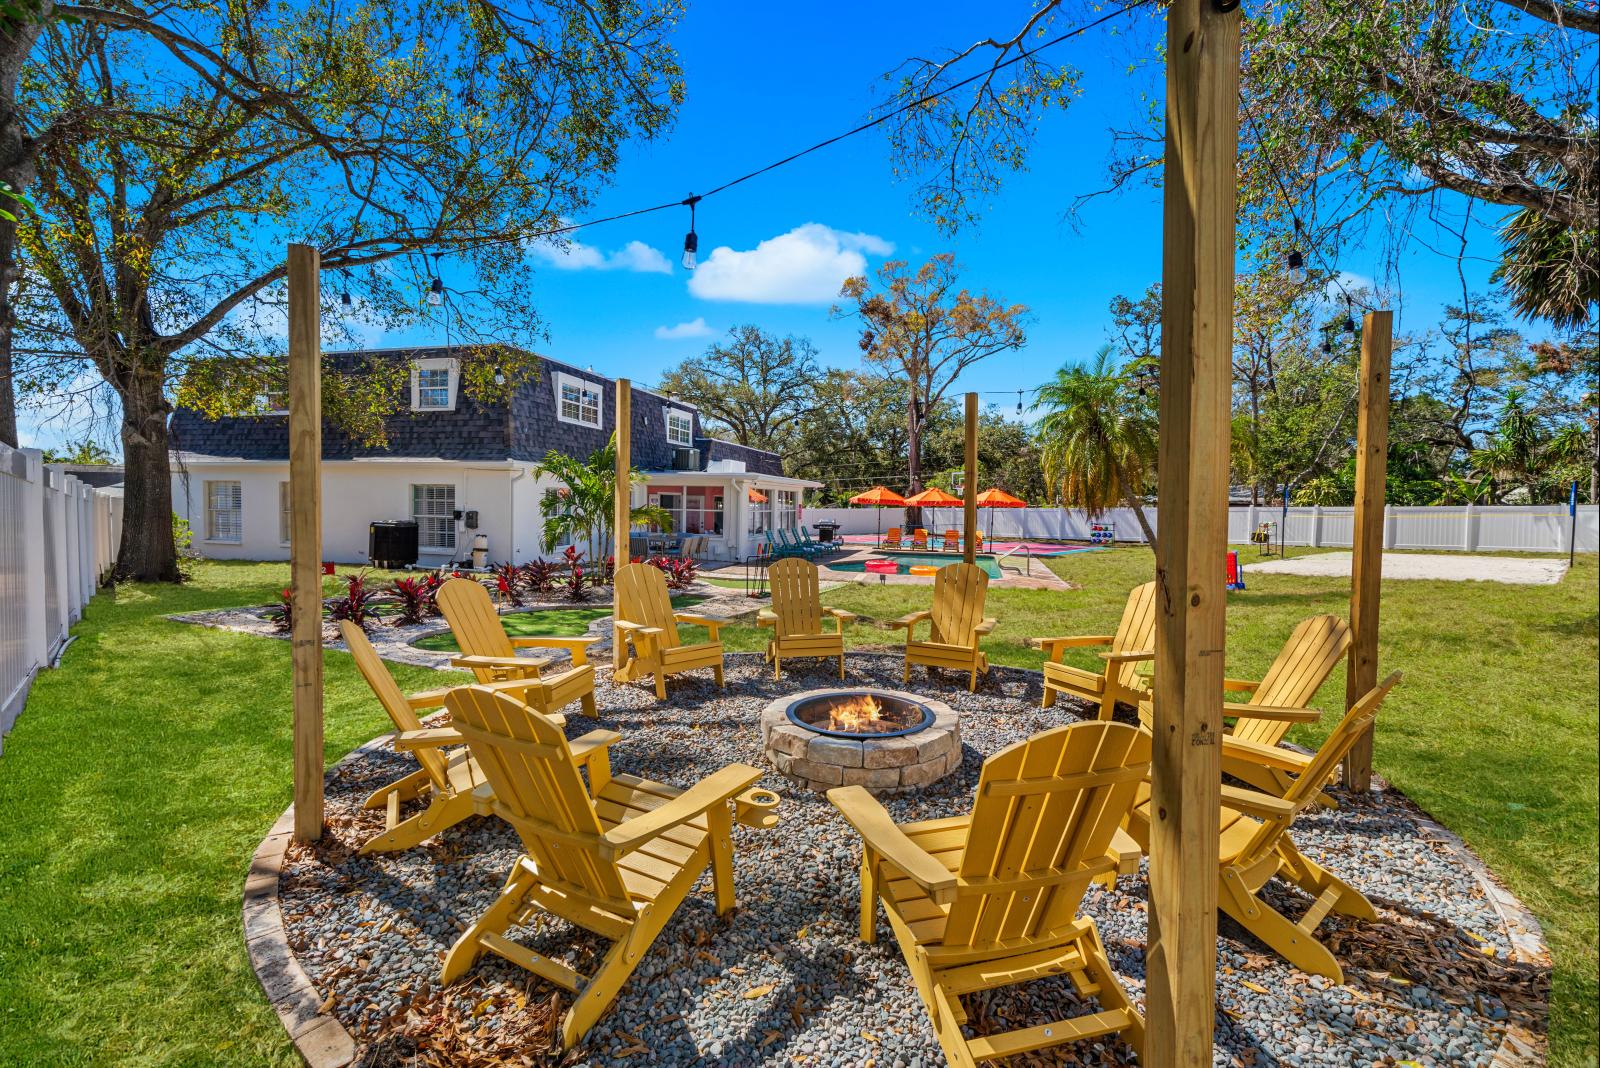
column 323, row 1042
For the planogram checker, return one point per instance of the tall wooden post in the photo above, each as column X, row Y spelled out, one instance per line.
column 969, row 490
column 1366, row 566
column 620, row 522
column 305, row 533
column 1196, row 360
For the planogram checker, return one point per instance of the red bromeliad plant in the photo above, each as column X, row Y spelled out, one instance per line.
column 540, row 576
column 576, row 591
column 508, row 580
column 357, row 605
column 681, row 571
column 281, row 615
column 418, row 599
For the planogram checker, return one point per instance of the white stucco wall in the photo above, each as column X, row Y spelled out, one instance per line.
column 355, row 494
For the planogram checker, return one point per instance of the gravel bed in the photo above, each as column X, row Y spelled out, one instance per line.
column 786, row 980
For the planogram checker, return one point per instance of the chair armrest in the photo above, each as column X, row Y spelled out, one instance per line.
column 712, row 790
column 1125, row 851
column 713, row 624
column 427, row 738
column 589, row 744
column 1256, row 803
column 1129, row 657
column 533, row 663
column 578, row 648
column 910, row 620
column 429, row 698
column 985, row 627
column 1241, row 685
column 1268, row 756
column 1272, row 712
column 766, row 617
column 841, row 615
column 1070, row 642
column 881, row 835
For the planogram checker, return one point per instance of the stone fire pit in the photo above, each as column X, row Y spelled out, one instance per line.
column 902, row 743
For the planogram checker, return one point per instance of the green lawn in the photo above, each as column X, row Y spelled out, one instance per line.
column 143, row 772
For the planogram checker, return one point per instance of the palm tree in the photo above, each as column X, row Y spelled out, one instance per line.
column 582, row 509
column 1097, row 439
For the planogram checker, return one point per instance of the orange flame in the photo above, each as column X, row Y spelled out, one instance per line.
column 862, row 714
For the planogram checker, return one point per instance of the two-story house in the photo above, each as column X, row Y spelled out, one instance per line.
column 463, row 468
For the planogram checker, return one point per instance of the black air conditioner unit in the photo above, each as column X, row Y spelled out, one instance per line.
column 686, row 459
column 392, row 542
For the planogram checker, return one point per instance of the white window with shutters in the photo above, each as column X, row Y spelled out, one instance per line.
column 224, row 512
column 433, row 506
column 680, row 428
column 577, row 400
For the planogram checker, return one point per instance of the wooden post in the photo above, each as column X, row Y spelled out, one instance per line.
column 620, row 522
column 305, row 533
column 1196, row 364
column 1366, row 565
column 969, row 490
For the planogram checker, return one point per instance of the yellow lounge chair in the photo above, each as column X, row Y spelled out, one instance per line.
column 648, row 626
column 1131, row 645
column 445, row 779
column 1256, row 847
column 919, row 539
column 956, row 623
column 991, row 900
column 796, row 616
column 891, row 538
column 491, row 654
column 615, row 858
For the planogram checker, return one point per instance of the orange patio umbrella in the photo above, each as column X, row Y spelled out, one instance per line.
column 757, row 497
column 995, row 497
column 932, row 497
column 880, row 497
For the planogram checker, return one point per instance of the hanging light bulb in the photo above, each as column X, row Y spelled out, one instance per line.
column 1019, row 402
column 691, row 240
column 1349, row 320
column 436, row 287
column 344, row 297
column 1294, row 261
column 1327, row 346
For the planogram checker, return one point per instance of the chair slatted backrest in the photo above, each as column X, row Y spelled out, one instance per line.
column 1042, row 823
column 959, row 592
column 537, row 789
column 796, row 599
column 892, row 535
column 642, row 598
column 951, row 540
column 1135, row 633
column 1309, row 785
column 474, row 622
column 1307, row 658
column 401, row 714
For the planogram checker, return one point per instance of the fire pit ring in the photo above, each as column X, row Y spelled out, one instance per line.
column 904, row 704
column 895, row 761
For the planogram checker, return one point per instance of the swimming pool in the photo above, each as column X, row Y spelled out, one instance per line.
column 906, row 561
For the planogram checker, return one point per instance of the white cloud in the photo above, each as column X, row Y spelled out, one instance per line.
column 804, row 266
column 576, row 256
column 693, row 328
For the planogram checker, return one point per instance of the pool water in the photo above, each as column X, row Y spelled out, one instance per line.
column 906, row 561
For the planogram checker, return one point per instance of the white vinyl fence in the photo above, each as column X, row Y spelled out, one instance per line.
column 58, row 540
column 1507, row 528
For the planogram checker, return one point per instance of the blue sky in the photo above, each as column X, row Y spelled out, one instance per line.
column 763, row 82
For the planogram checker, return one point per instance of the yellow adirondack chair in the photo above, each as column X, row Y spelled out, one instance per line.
column 616, row 858
column 646, row 622
column 1131, row 645
column 796, row 616
column 991, row 899
column 956, row 623
column 1252, row 750
column 1256, row 846
column 490, row 653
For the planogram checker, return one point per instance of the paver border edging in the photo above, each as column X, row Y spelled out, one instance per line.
column 323, row 1042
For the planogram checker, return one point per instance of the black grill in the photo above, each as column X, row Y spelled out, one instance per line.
column 392, row 542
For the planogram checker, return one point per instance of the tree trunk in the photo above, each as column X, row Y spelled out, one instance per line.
column 1144, row 522
column 913, row 464
column 17, row 160
column 147, row 553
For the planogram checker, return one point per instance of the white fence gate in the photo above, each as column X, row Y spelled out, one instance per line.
column 1497, row 528
column 58, row 540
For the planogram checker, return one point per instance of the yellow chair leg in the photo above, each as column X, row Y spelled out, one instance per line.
column 661, row 685
column 869, row 899
column 777, row 665
column 841, row 667
column 408, row 788
column 719, row 821
column 1284, row 937
column 717, row 671
column 441, row 812
column 496, row 920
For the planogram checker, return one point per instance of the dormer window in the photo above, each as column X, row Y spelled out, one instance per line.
column 680, row 427
column 433, row 385
column 577, row 400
